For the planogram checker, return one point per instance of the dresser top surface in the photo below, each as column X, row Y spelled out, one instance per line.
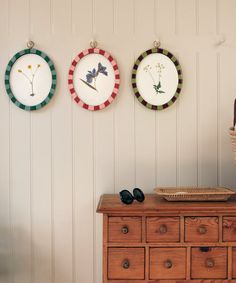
column 153, row 204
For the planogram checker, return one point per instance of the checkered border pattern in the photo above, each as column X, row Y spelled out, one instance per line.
column 75, row 96
column 134, row 73
column 7, row 79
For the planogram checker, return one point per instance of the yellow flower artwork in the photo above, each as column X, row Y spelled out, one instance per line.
column 30, row 77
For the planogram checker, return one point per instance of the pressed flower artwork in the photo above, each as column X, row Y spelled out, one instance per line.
column 94, row 79
column 92, row 76
column 30, row 79
column 30, row 76
column 155, row 75
column 157, row 79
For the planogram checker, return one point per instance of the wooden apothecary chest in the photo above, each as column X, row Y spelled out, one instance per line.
column 159, row 241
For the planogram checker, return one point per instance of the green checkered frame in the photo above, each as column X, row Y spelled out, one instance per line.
column 7, row 79
column 134, row 74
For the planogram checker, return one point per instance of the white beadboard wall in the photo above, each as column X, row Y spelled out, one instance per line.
column 56, row 162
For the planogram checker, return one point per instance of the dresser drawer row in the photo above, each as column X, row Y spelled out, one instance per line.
column 170, row 263
column 168, row 229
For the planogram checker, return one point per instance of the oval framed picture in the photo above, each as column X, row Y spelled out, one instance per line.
column 157, row 78
column 94, row 79
column 30, row 79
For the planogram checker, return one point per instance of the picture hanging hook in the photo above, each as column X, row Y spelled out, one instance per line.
column 157, row 43
column 93, row 43
column 30, row 44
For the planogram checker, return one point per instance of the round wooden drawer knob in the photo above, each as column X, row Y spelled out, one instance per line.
column 210, row 263
column 163, row 229
column 125, row 264
column 168, row 264
column 202, row 230
column 125, row 230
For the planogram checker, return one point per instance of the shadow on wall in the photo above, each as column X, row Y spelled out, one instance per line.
column 17, row 259
column 5, row 254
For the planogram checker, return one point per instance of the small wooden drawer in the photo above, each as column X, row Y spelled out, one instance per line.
column 229, row 229
column 209, row 263
column 126, row 263
column 234, row 263
column 163, row 229
column 201, row 229
column 167, row 263
column 124, row 229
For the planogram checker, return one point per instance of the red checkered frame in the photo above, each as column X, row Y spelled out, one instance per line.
column 75, row 96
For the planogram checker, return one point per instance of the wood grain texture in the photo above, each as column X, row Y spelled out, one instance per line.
column 110, row 203
column 158, row 263
column 105, row 249
column 230, row 263
column 174, row 281
column 163, row 229
column 199, row 267
column 234, row 263
column 229, row 229
column 116, row 259
column 200, row 229
column 125, row 229
column 199, row 256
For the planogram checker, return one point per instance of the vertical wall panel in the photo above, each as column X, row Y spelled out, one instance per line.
column 84, row 194
column 41, row 156
column 5, row 222
column 207, row 16
column 41, row 196
column 104, row 180
column 124, row 18
column 187, row 105
column 144, row 118
column 186, row 24
column 83, row 157
column 207, row 117
column 61, row 12
column 40, row 27
column 227, row 90
column 165, row 17
column 166, row 120
column 226, row 13
column 124, row 126
column 62, row 165
column 103, row 18
column 144, row 17
column 124, row 114
column 4, row 19
column 20, row 158
column 187, row 124
column 207, row 98
column 82, row 18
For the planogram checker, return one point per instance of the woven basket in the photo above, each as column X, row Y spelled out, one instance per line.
column 232, row 132
column 195, row 194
